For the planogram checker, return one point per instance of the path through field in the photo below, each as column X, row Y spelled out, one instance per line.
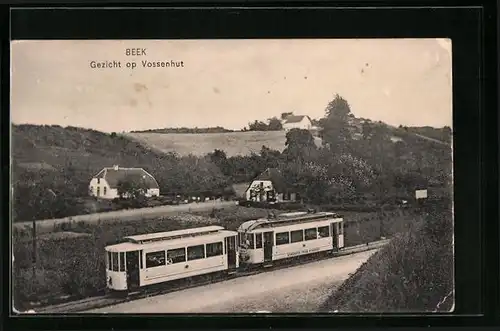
column 126, row 215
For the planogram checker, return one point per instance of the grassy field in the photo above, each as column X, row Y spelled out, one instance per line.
column 413, row 273
column 233, row 143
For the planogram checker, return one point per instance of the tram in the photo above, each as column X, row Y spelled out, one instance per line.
column 149, row 259
column 155, row 258
column 289, row 235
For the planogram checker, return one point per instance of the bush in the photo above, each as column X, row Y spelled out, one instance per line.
column 411, row 274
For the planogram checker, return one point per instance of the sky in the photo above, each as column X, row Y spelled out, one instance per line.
column 229, row 83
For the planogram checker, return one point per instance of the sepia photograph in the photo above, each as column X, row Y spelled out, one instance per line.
column 232, row 176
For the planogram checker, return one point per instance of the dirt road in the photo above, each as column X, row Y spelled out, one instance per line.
column 432, row 139
column 126, row 215
column 297, row 289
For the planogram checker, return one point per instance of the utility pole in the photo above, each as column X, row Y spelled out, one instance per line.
column 381, row 226
column 33, row 265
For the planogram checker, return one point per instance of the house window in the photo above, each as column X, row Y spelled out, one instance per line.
column 98, row 190
column 286, row 196
column 270, row 195
column 104, row 190
column 98, row 181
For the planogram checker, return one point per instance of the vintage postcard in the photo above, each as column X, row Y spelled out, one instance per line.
column 232, row 176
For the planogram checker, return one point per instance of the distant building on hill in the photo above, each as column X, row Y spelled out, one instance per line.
column 105, row 184
column 297, row 122
column 270, row 186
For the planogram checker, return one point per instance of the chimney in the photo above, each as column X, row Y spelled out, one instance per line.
column 115, row 167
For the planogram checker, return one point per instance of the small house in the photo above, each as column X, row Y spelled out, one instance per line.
column 270, row 186
column 105, row 184
column 303, row 122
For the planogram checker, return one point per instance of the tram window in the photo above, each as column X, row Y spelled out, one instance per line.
column 297, row 236
column 176, row 255
column 240, row 236
column 155, row 259
column 249, row 240
column 114, row 261
column 214, row 249
column 258, row 240
column 196, row 252
column 311, row 234
column 341, row 228
column 122, row 261
column 282, row 238
column 140, row 259
column 108, row 261
column 324, row 231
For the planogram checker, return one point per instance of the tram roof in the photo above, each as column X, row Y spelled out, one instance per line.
column 174, row 243
column 288, row 219
column 170, row 235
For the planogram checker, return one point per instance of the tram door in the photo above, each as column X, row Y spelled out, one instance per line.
column 335, row 234
column 268, row 246
column 132, row 269
column 231, row 251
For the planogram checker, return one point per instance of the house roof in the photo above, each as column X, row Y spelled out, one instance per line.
column 114, row 175
column 296, row 118
column 275, row 176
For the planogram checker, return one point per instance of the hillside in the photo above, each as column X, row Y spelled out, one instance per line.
column 52, row 167
column 217, row 129
column 413, row 273
column 54, row 148
column 244, row 143
column 233, row 143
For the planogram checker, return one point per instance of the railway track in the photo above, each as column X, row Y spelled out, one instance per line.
column 174, row 286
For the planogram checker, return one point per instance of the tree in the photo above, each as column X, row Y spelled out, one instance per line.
column 338, row 108
column 219, row 158
column 300, row 145
column 257, row 126
column 335, row 128
column 274, row 124
column 270, row 157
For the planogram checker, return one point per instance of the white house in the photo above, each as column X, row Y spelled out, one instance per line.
column 270, row 186
column 297, row 122
column 104, row 185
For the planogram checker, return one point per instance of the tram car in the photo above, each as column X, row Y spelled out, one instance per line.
column 289, row 235
column 155, row 258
